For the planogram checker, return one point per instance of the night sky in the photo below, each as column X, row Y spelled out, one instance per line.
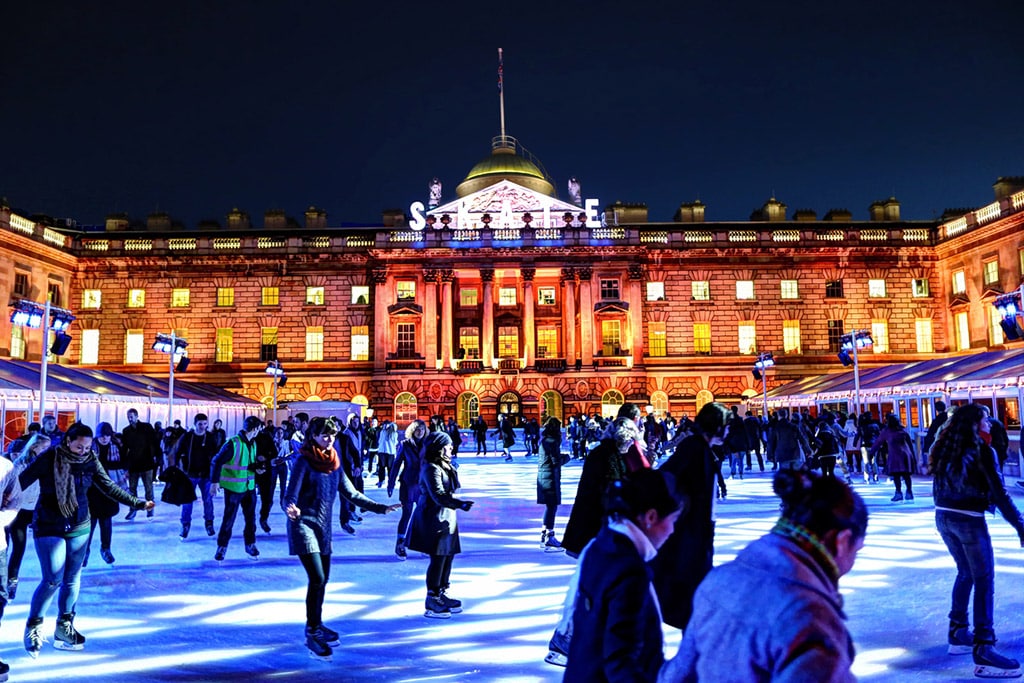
column 193, row 108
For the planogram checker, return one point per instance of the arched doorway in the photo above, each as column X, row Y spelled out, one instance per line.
column 510, row 406
column 467, row 408
column 405, row 409
column 704, row 397
column 610, row 402
column 551, row 406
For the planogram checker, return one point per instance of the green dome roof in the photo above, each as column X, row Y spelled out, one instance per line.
column 504, row 164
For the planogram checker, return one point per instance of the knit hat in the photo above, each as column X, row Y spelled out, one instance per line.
column 104, row 429
column 435, row 443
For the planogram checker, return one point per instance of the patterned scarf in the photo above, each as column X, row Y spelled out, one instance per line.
column 64, row 483
column 323, row 461
column 810, row 544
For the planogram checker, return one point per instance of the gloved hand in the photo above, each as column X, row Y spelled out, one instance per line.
column 466, row 505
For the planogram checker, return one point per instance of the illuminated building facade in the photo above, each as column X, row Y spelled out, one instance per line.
column 508, row 299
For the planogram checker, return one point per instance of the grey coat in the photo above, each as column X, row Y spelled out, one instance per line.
column 772, row 614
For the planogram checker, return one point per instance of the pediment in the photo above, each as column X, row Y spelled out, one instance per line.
column 405, row 308
column 611, row 307
column 494, row 198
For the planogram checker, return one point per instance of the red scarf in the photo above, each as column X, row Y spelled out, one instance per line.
column 323, row 461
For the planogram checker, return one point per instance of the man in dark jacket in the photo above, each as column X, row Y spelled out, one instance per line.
column 787, row 443
column 194, row 454
column 752, row 425
column 140, row 447
column 933, row 429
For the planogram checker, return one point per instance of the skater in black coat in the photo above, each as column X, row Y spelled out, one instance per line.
column 549, row 480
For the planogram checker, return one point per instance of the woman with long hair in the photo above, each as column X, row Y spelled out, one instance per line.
column 616, row 624
column 17, row 531
column 966, row 485
column 102, row 508
column 775, row 612
column 406, row 472
column 314, row 485
column 549, row 481
column 60, row 528
column 435, row 529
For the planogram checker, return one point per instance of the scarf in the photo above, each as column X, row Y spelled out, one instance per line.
column 810, row 544
column 64, row 483
column 323, row 461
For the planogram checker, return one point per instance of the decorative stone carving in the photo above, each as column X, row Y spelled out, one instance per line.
column 487, row 274
column 636, row 271
column 528, row 274
column 568, row 274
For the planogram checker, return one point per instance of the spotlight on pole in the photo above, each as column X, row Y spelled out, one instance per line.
column 60, row 345
column 1008, row 306
column 275, row 370
column 849, row 344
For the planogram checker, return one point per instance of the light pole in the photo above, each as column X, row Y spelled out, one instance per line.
column 1009, row 306
column 761, row 365
column 174, row 347
column 34, row 315
column 848, row 346
column 279, row 378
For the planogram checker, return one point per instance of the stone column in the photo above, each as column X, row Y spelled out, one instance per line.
column 487, row 328
column 569, row 315
column 636, row 313
column 529, row 327
column 586, row 315
column 430, row 276
column 447, row 277
column 382, row 298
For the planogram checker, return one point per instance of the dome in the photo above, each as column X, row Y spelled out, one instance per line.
column 505, row 164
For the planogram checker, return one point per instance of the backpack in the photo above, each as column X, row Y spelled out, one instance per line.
column 827, row 442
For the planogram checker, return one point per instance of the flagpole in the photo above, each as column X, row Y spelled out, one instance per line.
column 501, row 95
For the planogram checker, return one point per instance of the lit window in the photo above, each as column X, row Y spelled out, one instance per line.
column 789, row 289
column 747, row 333
column 314, row 296
column 90, row 354
column 91, row 298
column 268, row 343
column 744, row 289
column 508, row 342
column 876, row 289
column 270, row 296
column 134, row 343
column 923, row 332
column 546, row 296
column 136, row 298
column 469, row 341
column 995, row 330
column 655, row 291
column 990, row 271
column 656, row 346
column 360, row 295
column 225, row 296
column 468, row 298
column 1020, row 258
column 700, row 290
column 609, row 290
column 360, row 342
column 406, row 290
column 791, row 336
column 547, row 342
column 18, row 346
column 224, row 345
column 919, row 286
column 959, row 282
column 963, row 331
column 406, row 340
column 314, row 343
column 880, row 335
column 611, row 338
column 702, row 338
column 405, row 408
column 507, row 296
column 834, row 289
column 181, row 297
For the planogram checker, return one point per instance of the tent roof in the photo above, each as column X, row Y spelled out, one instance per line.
column 65, row 379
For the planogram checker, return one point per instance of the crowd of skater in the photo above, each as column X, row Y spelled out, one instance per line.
column 641, row 526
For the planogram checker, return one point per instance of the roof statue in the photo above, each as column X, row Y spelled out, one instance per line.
column 574, row 192
column 435, row 193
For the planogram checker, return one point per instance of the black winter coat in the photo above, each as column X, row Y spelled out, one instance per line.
column 603, row 466
column 434, row 529
column 549, row 468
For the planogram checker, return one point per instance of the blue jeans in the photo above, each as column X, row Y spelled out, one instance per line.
column 971, row 547
column 60, row 560
column 206, row 493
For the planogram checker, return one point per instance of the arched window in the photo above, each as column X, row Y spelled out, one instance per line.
column 509, row 406
column 610, row 402
column 704, row 397
column 659, row 401
column 467, row 407
column 551, row 406
column 405, row 409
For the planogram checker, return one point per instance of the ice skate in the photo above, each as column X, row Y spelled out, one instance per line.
column 558, row 650
column 990, row 664
column 961, row 639
column 318, row 648
column 435, row 609
column 65, row 637
column 34, row 637
column 252, row 551
column 453, row 605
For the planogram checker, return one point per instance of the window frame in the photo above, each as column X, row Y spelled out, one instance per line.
column 789, row 289
column 700, row 290
column 360, row 291
column 270, row 296
column 609, row 289
column 136, row 298
column 92, row 299
column 316, row 295
column 181, row 297
column 742, row 294
column 542, row 300
column 655, row 290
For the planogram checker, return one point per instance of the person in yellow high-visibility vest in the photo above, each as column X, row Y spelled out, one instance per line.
column 233, row 469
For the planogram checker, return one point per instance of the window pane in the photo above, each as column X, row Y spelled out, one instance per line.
column 656, row 346
column 835, row 334
column 923, row 331
column 467, row 298
column 181, row 297
column 314, row 296
column 136, row 298
column 360, row 294
column 611, row 338
column 268, row 343
column 508, row 342
column 789, row 289
column 610, row 290
column 360, row 342
column 655, row 291
column 469, row 341
column 702, row 338
column 225, row 296
column 91, row 298
column 791, row 336
column 995, row 330
column 834, row 289
column 507, row 296
column 314, row 343
column 18, row 346
column 700, row 290
column 963, row 331
column 876, row 288
column 90, row 354
column 406, row 340
column 224, row 351
column 880, row 335
column 747, row 333
column 959, row 282
column 547, row 342
column 919, row 287
column 133, row 345
column 546, row 296
column 270, row 296
column 405, row 290
column 991, row 272
column 744, row 289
